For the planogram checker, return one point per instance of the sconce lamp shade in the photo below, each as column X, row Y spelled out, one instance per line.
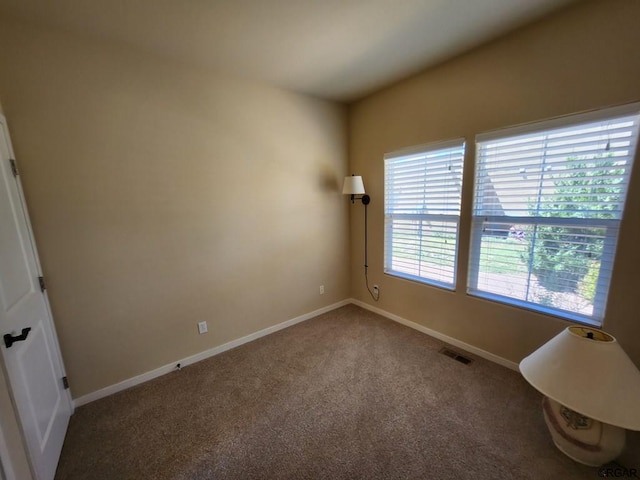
column 587, row 371
column 353, row 185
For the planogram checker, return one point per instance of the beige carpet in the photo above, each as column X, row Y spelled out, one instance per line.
column 348, row 394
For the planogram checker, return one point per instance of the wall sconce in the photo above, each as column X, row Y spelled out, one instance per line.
column 592, row 393
column 354, row 186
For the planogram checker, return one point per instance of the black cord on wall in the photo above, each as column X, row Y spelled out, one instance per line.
column 375, row 295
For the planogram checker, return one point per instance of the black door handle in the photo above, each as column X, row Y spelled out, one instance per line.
column 10, row 339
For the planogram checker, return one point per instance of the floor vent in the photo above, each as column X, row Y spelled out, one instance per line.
column 455, row 355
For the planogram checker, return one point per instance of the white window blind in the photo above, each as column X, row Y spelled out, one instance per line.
column 548, row 202
column 422, row 212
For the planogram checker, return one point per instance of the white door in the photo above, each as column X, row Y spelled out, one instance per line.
column 29, row 344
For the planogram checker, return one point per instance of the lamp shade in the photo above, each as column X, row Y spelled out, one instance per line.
column 587, row 371
column 353, row 185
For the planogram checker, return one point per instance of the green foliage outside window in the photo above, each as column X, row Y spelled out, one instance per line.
column 567, row 259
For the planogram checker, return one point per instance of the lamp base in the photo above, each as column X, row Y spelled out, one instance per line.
column 581, row 438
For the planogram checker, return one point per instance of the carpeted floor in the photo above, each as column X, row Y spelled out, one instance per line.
column 348, row 394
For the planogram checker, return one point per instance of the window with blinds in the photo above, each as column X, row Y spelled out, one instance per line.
column 422, row 193
column 548, row 202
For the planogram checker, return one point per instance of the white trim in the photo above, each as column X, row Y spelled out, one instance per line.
column 427, row 148
column 599, row 114
column 145, row 377
column 565, row 315
column 440, row 336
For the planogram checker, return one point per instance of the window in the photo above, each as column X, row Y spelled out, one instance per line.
column 548, row 202
column 422, row 212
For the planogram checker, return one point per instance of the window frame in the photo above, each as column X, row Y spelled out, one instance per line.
column 457, row 143
column 611, row 226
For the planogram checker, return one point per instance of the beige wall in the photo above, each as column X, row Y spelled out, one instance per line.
column 161, row 196
column 583, row 58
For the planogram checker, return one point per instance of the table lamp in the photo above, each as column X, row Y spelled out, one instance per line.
column 591, row 393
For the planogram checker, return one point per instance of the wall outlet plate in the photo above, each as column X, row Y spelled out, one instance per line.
column 202, row 327
column 321, row 289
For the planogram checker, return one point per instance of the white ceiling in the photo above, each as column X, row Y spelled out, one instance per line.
column 335, row 49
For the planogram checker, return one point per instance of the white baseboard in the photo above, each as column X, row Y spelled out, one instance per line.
column 145, row 377
column 440, row 336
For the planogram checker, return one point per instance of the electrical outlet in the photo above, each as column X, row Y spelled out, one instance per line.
column 321, row 289
column 376, row 289
column 202, row 327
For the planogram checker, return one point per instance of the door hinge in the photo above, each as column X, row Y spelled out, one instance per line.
column 43, row 286
column 14, row 167
column 65, row 383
